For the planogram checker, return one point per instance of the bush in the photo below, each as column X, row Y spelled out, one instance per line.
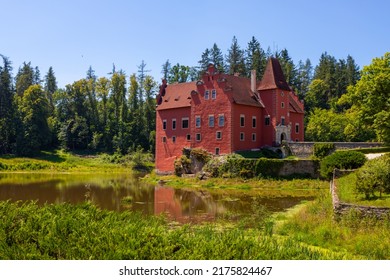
column 182, row 165
column 341, row 160
column 200, row 155
column 322, row 150
column 374, row 177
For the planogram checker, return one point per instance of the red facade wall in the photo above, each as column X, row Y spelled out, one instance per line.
column 248, row 112
column 295, row 119
column 216, row 107
column 269, row 99
column 168, row 151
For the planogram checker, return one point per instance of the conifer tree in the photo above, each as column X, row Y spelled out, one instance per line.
column 166, row 69
column 50, row 87
column 216, row 58
column 235, row 60
column 7, row 107
column 204, row 61
column 255, row 58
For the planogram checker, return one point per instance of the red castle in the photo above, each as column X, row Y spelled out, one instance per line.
column 224, row 113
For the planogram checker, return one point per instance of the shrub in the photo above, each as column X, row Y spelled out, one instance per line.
column 268, row 167
column 374, row 177
column 322, row 150
column 182, row 165
column 341, row 160
column 200, row 155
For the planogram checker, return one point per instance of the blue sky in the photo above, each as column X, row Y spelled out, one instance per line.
column 72, row 35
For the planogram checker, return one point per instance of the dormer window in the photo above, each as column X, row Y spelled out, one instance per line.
column 213, row 94
column 206, row 95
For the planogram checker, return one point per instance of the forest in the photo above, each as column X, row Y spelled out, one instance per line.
column 117, row 113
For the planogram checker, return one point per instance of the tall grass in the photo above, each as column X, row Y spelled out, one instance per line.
column 315, row 225
column 86, row 232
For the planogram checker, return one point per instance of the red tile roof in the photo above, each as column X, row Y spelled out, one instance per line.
column 241, row 91
column 273, row 77
column 295, row 105
column 177, row 96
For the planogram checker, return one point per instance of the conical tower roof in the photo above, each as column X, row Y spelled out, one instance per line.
column 273, row 77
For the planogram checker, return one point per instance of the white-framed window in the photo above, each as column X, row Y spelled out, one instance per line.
column 218, row 135
column 242, row 120
column 164, row 139
column 185, row 123
column 297, row 128
column 242, row 136
column 211, row 120
column 254, row 121
column 221, row 120
column 197, row 121
column 198, row 137
column 188, row 137
column 253, row 137
column 173, row 124
column 213, row 94
column 164, row 124
column 206, row 95
column 217, row 151
column 173, row 139
column 267, row 120
column 282, row 121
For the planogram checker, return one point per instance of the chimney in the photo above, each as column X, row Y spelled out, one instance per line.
column 253, row 80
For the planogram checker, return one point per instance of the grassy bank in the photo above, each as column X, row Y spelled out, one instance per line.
column 346, row 189
column 86, row 232
column 61, row 161
column 315, row 225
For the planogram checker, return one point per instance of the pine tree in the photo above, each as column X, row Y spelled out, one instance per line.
column 204, row 62
column 50, row 88
column 7, row 107
column 288, row 67
column 149, row 116
column 166, row 69
column 255, row 58
column 216, row 58
column 353, row 71
column 235, row 59
column 141, row 79
column 24, row 78
column 304, row 77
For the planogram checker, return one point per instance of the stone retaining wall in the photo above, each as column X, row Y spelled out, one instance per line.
column 308, row 168
column 341, row 208
column 305, row 149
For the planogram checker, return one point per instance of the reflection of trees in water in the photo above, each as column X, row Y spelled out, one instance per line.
column 108, row 191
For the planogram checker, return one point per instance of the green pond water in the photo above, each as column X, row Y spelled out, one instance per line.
column 120, row 192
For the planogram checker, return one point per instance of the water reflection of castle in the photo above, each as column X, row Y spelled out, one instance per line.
column 184, row 206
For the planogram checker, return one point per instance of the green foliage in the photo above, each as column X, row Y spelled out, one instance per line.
column 262, row 153
column 200, row 155
column 34, row 133
column 368, row 100
column 326, row 125
column 182, row 165
column 374, row 177
column 341, row 160
column 321, row 150
column 85, row 232
column 237, row 166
